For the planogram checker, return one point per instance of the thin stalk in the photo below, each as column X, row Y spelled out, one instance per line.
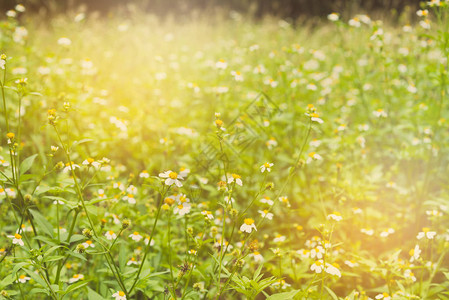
column 169, row 255
column 147, row 250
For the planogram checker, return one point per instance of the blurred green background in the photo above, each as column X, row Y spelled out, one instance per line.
column 257, row 8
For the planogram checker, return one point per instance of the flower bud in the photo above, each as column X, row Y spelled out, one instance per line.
column 126, row 223
column 87, row 233
column 80, row 248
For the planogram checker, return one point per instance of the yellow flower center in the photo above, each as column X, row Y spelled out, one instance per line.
column 89, row 242
column 17, row 236
column 314, row 115
column 22, row 276
column 318, row 263
column 236, row 176
column 10, row 135
column 173, row 175
column 111, row 232
column 120, row 293
column 412, row 252
column 249, row 221
column 169, row 201
column 426, row 229
column 135, row 233
column 90, row 160
column 266, row 165
column 76, row 276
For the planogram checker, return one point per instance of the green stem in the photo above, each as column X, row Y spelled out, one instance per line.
column 147, row 250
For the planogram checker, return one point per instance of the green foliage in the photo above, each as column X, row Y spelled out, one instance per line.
column 153, row 160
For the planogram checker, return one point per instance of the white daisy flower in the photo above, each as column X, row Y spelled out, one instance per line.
column 221, row 64
column 248, row 225
column 207, row 214
column 267, row 200
column 130, row 198
column 304, row 253
column 144, row 174
column 110, row 235
column 171, row 178
column 119, row 295
column 387, row 232
column 183, row 172
column 64, row 41
column 266, row 214
column 257, row 256
column 147, row 239
column 333, row 17
column 16, row 239
column 351, row 263
column 279, row 238
column 408, row 274
column 380, row 113
column 317, row 252
column 384, row 296
column 266, row 167
column 367, row 231
column 182, row 209
column 414, row 253
column 236, row 178
column 426, row 233
column 136, row 236
column 317, row 266
column 132, row 261
column 88, row 244
column 333, row 270
column 237, row 75
column 23, row 279
column 336, row 216
column 90, row 162
column 76, row 277
column 132, row 189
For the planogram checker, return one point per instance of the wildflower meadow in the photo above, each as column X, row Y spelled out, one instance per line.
column 225, row 157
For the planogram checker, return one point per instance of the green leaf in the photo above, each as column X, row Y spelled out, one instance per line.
column 74, row 254
column 331, row 293
column 36, row 277
column 42, row 222
column 446, row 274
column 18, row 266
column 76, row 143
column 76, row 238
column 92, row 295
column 27, row 163
column 284, row 296
column 7, row 281
column 76, row 286
column 53, row 258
